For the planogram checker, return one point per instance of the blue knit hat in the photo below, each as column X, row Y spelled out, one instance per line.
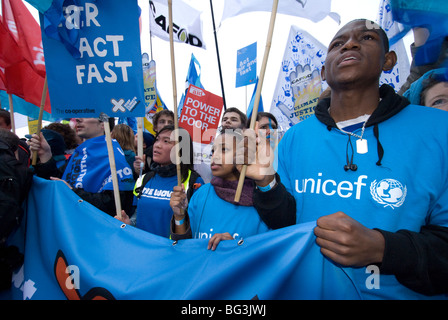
column 413, row 94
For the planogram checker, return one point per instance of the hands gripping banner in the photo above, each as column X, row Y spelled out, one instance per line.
column 86, row 252
column 107, row 77
column 75, row 251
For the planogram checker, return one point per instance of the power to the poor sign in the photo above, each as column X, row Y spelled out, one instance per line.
column 200, row 114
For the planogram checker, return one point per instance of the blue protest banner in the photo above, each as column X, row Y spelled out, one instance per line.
column 246, row 65
column 75, row 251
column 107, row 77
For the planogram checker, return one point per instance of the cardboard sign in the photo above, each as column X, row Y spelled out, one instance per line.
column 200, row 114
column 246, row 65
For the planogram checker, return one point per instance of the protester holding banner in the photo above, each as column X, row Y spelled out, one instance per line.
column 212, row 212
column 88, row 171
column 153, row 190
column 15, row 183
column 380, row 206
column 57, row 147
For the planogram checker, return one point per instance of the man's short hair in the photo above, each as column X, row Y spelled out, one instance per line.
column 242, row 115
column 10, row 139
column 373, row 25
column 267, row 115
column 5, row 115
column 165, row 112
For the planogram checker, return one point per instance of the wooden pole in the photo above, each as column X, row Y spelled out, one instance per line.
column 173, row 78
column 113, row 168
column 11, row 112
column 41, row 114
column 140, row 136
column 258, row 92
column 140, row 143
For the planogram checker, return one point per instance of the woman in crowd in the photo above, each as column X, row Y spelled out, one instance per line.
column 430, row 90
column 153, row 190
column 125, row 137
column 212, row 212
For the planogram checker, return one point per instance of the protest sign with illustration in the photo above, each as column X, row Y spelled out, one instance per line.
column 299, row 84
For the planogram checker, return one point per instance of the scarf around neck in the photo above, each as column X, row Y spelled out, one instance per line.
column 226, row 190
column 164, row 171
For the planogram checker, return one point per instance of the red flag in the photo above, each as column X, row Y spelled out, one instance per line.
column 26, row 32
column 22, row 55
column 8, row 48
column 2, row 79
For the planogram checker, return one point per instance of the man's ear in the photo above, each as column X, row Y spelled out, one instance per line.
column 390, row 60
column 322, row 73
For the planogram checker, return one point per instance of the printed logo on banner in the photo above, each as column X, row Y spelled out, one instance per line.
column 108, row 76
column 196, row 91
column 187, row 23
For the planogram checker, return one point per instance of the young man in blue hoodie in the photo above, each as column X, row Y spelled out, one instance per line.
column 371, row 170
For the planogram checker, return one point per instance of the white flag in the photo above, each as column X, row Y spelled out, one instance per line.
column 314, row 10
column 187, row 23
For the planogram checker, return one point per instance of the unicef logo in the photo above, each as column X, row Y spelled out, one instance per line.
column 388, row 192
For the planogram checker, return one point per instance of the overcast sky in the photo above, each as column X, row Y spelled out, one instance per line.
column 234, row 34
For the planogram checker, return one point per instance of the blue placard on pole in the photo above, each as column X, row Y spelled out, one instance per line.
column 106, row 75
column 246, row 65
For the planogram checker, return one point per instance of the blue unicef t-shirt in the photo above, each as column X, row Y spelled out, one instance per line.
column 209, row 214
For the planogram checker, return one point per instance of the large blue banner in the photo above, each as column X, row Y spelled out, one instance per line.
column 75, row 251
column 107, row 76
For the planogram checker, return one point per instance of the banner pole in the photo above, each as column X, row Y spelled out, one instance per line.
column 11, row 112
column 41, row 114
column 113, row 168
column 258, row 92
column 217, row 55
column 140, row 143
column 173, row 79
column 140, row 136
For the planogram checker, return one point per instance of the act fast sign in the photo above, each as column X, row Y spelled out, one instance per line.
column 108, row 76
